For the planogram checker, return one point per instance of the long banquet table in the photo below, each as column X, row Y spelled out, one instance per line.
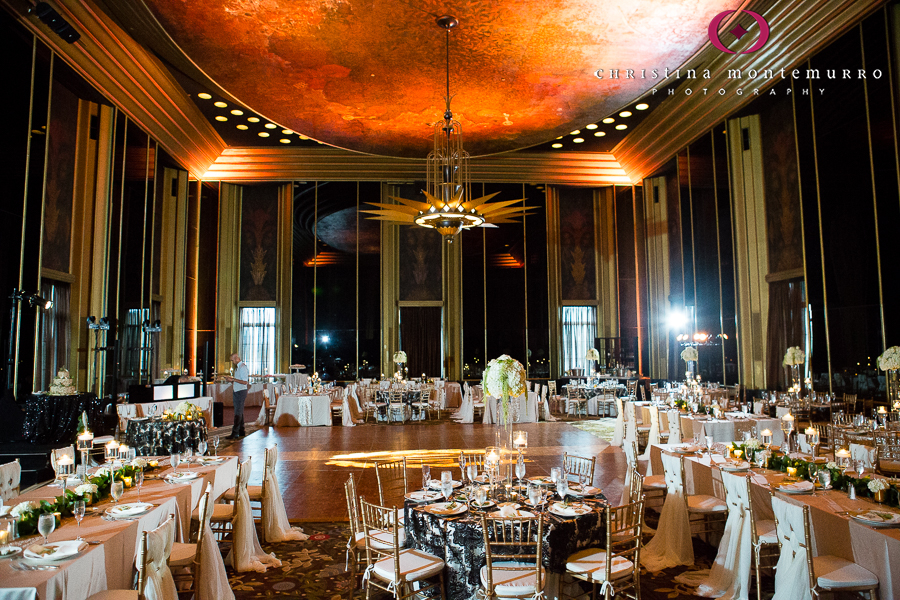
column 727, row 429
column 877, row 549
column 302, row 411
column 110, row 565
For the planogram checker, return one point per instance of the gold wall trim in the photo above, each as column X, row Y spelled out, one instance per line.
column 328, row 164
column 554, row 289
column 656, row 220
column 284, row 312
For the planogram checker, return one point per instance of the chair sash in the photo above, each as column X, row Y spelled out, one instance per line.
column 274, row 515
column 631, row 460
column 792, row 571
column 10, row 480
column 671, row 546
column 158, row 581
column 653, row 437
column 674, row 427
column 619, row 431
column 212, row 580
column 246, row 553
column 863, row 453
column 630, row 423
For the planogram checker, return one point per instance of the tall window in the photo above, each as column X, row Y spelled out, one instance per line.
column 579, row 327
column 258, row 339
column 53, row 336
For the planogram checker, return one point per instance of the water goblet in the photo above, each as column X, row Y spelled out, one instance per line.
column 139, row 481
column 426, row 476
column 78, row 513
column 216, row 445
column 447, row 484
column 813, row 470
column 534, row 494
column 709, row 443
column 187, row 454
column 861, row 468
column 761, row 459
column 562, row 488
column 583, row 482
column 46, row 525
column 480, row 495
column 202, row 446
column 555, row 474
column 825, row 478
column 472, row 472
column 520, row 469
column 116, row 490
column 174, row 460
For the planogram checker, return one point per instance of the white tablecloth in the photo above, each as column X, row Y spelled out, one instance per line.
column 223, row 392
column 302, row 411
column 144, row 409
column 527, row 411
column 729, row 430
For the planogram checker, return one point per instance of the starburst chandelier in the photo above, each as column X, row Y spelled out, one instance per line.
column 449, row 206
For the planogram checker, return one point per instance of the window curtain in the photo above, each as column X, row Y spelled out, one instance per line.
column 787, row 317
column 133, row 344
column 54, row 337
column 258, row 339
column 579, row 327
column 420, row 338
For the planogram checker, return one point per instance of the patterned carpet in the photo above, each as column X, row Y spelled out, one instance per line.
column 602, row 428
column 315, row 569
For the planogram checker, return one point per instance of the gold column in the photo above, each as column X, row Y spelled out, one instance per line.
column 554, row 291
column 283, row 311
column 656, row 218
column 390, row 284
column 227, row 284
column 453, row 308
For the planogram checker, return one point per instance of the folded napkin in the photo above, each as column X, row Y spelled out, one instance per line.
column 4, row 510
column 422, row 495
column 760, row 480
column 443, row 508
column 4, row 550
column 718, row 459
column 508, row 510
column 57, row 550
column 879, row 516
column 738, row 465
column 39, row 550
column 800, row 486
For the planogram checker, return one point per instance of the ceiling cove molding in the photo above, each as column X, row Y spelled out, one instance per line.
column 802, row 28
column 314, row 164
column 132, row 79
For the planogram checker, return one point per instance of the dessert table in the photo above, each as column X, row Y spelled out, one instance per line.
column 161, row 437
column 110, row 564
column 302, row 411
column 877, row 549
column 54, row 419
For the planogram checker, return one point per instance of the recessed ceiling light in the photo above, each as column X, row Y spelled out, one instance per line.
column 591, row 126
column 560, row 137
column 576, row 132
column 263, row 134
column 204, row 95
column 609, row 120
column 271, row 125
column 642, row 106
column 242, row 127
column 285, row 141
column 556, row 145
column 622, row 126
column 220, row 104
column 599, row 133
column 221, row 118
column 303, row 137
column 286, row 131
column 253, row 119
column 578, row 140
column 625, row 113
column 237, row 112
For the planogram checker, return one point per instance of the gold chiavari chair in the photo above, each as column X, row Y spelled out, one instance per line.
column 574, row 466
column 524, row 575
column 392, row 483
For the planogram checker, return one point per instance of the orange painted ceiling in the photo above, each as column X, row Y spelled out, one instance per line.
column 368, row 75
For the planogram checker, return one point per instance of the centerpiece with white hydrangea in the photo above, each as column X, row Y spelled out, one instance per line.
column 504, row 377
column 794, row 356
column 592, row 354
column 400, row 357
column 689, row 354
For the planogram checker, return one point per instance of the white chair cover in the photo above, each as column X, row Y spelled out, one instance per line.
column 630, row 423
column 213, row 584
column 671, row 546
column 653, row 437
column 275, row 521
column 792, row 571
column 619, row 431
column 863, row 453
column 347, row 415
column 158, row 582
column 467, row 409
column 548, row 415
column 674, row 427
column 261, row 418
column 246, row 553
column 730, row 574
column 10, row 480
column 631, row 460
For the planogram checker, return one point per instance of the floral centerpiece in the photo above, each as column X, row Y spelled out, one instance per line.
column 889, row 362
column 399, row 357
column 315, row 383
column 689, row 354
column 793, row 356
column 185, row 411
column 504, row 377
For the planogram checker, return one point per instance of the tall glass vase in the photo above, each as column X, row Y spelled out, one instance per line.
column 691, row 370
column 893, row 388
column 795, row 378
column 503, row 437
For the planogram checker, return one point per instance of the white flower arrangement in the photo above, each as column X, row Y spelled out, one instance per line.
column 689, row 354
column 878, row 485
column 831, row 465
column 24, row 507
column 793, row 356
column 186, row 410
column 85, row 488
column 592, row 354
column 140, row 463
column 752, row 444
column 399, row 357
column 504, row 377
column 890, row 360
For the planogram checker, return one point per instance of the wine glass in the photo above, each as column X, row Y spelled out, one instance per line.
column 520, row 469
column 46, row 525
column 480, row 495
column 216, row 444
column 447, row 484
column 534, row 494
column 562, row 487
column 825, row 478
column 709, row 444
column 202, row 446
column 583, row 482
column 861, row 468
column 139, row 481
column 116, row 490
column 174, row 460
column 462, row 466
column 426, row 476
column 187, row 454
column 472, row 472
column 813, row 470
column 78, row 512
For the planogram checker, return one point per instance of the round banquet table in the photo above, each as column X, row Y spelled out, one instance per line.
column 459, row 541
column 55, row 418
column 160, row 437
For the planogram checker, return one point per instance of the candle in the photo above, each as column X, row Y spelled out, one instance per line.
column 792, row 471
column 843, row 453
column 4, row 537
column 882, row 410
column 788, row 417
column 766, row 433
column 86, row 441
column 738, row 453
column 810, row 431
column 127, row 481
column 153, row 463
column 520, row 440
column 111, row 450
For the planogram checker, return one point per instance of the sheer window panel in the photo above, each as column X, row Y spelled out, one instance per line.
column 54, row 337
column 258, row 339
column 579, row 328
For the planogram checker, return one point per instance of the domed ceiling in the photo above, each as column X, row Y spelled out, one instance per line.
column 369, row 76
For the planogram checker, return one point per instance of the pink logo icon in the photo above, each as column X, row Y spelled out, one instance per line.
column 738, row 31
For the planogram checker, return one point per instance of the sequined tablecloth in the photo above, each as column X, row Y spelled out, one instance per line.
column 54, row 419
column 158, row 437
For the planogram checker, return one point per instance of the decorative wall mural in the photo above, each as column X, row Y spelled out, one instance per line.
column 420, row 264
column 259, row 246
column 57, row 248
column 576, row 231
column 782, row 190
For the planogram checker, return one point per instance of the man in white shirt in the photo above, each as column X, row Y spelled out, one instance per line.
column 241, row 381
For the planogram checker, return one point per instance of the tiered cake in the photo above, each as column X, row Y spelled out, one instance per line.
column 62, row 384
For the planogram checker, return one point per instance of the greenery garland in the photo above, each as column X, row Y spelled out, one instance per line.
column 64, row 504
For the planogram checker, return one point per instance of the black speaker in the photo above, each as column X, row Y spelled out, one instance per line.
column 52, row 19
column 218, row 413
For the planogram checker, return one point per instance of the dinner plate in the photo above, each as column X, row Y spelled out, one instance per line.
column 685, row 449
column 210, row 460
column 518, row 514
column 876, row 518
column 735, row 467
column 447, row 508
column 60, row 551
column 423, row 496
column 435, row 484
column 487, row 504
column 542, row 480
column 482, row 479
column 790, row 489
column 182, row 476
column 128, row 510
column 12, row 551
column 574, row 509
column 575, row 490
